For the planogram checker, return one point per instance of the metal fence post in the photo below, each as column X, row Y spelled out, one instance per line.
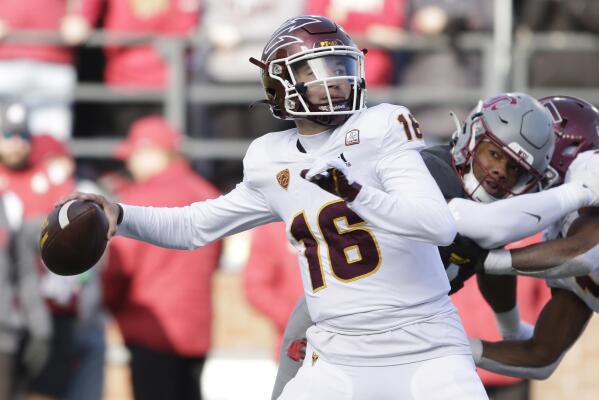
column 175, row 95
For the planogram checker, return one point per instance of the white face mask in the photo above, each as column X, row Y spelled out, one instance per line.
column 475, row 190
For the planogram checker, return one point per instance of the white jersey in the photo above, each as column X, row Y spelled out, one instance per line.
column 370, row 268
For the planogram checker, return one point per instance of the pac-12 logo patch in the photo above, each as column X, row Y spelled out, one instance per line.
column 283, row 178
column 352, row 137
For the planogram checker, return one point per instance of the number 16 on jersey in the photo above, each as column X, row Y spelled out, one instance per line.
column 352, row 249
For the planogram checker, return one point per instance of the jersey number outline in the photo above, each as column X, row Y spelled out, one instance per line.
column 412, row 128
column 353, row 251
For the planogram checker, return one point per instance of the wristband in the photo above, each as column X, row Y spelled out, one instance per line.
column 499, row 262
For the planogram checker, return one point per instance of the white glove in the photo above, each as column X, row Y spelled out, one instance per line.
column 585, row 170
column 334, row 177
column 321, row 167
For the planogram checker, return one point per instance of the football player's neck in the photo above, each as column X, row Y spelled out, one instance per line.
column 306, row 127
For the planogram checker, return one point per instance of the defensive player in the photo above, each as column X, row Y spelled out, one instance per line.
column 570, row 261
column 488, row 154
column 367, row 243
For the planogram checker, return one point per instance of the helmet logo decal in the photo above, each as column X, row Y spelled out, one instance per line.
column 327, row 43
column 497, row 102
column 283, row 178
column 280, row 39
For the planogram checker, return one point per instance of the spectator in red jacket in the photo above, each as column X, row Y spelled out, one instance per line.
column 272, row 279
column 479, row 321
column 27, row 170
column 41, row 75
column 377, row 23
column 143, row 65
column 23, row 169
column 161, row 298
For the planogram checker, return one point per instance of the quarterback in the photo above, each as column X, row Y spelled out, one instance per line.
column 364, row 214
column 485, row 162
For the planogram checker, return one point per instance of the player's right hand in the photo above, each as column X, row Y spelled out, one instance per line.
column 585, row 170
column 111, row 210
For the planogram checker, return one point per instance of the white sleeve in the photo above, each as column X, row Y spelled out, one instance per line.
column 410, row 204
column 499, row 262
column 200, row 223
column 512, row 219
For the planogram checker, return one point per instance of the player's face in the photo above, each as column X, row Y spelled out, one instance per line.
column 327, row 69
column 146, row 162
column 495, row 170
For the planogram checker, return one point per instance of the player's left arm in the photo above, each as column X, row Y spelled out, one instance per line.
column 575, row 255
column 521, row 216
column 509, row 220
column 539, row 356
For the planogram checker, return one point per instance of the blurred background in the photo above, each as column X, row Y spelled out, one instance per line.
column 146, row 101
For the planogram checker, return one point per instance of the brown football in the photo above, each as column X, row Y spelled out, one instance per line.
column 73, row 237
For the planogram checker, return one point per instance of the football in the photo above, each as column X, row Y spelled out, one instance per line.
column 73, row 237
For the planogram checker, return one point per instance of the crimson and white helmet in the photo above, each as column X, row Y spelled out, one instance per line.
column 522, row 128
column 322, row 46
column 576, row 126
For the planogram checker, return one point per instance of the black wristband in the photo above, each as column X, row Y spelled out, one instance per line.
column 119, row 219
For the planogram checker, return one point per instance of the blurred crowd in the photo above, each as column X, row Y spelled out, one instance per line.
column 52, row 328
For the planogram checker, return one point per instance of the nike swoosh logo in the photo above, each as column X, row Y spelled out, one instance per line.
column 538, row 217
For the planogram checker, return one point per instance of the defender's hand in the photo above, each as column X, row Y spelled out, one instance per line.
column 585, row 170
column 112, row 210
column 334, row 177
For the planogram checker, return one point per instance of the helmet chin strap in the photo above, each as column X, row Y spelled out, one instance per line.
column 475, row 190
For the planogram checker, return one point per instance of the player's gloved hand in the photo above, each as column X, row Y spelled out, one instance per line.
column 297, row 350
column 334, row 177
column 585, row 170
column 36, row 354
column 464, row 252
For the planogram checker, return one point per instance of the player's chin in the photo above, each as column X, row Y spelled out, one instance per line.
column 494, row 190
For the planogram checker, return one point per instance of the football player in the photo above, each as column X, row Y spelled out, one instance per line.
column 364, row 214
column 487, row 161
column 568, row 259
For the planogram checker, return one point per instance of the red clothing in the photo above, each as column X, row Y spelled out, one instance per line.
column 161, row 297
column 479, row 320
column 37, row 188
column 355, row 17
column 39, row 15
column 272, row 278
column 142, row 66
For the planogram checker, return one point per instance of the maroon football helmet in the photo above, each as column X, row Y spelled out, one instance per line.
column 312, row 69
column 576, row 126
